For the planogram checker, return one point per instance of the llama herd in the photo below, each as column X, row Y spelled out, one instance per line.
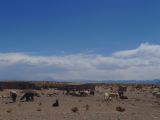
column 119, row 93
column 107, row 96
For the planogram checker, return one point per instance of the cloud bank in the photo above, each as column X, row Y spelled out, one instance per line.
column 138, row 64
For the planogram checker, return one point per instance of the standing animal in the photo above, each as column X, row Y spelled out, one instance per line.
column 84, row 93
column 157, row 95
column 107, row 97
column 92, row 92
column 29, row 96
column 121, row 91
column 13, row 95
column 122, row 88
column 113, row 95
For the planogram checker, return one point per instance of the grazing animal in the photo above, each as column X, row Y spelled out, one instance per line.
column 73, row 93
column 13, row 95
column 114, row 95
column 68, row 92
column 123, row 97
column 107, row 97
column 92, row 92
column 120, row 93
column 4, row 96
column 154, row 92
column 1, row 89
column 122, row 88
column 157, row 95
column 29, row 96
column 84, row 93
column 51, row 94
column 76, row 93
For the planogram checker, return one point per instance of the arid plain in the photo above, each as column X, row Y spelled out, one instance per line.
column 140, row 105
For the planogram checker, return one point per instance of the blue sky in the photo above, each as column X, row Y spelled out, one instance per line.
column 38, row 31
column 73, row 26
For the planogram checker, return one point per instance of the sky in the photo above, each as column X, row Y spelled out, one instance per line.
column 79, row 39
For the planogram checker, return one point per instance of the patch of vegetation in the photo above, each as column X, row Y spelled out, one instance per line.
column 9, row 111
column 19, row 104
column 75, row 109
column 137, row 99
column 39, row 109
column 120, row 109
column 87, row 107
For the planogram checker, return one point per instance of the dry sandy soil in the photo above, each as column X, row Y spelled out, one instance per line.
column 139, row 106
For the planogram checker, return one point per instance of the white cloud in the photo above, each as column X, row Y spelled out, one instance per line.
column 140, row 63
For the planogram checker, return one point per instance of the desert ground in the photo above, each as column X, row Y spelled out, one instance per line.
column 140, row 105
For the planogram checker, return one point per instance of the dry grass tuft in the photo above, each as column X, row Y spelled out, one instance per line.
column 79, row 100
column 157, row 102
column 137, row 99
column 39, row 103
column 118, row 119
column 133, row 104
column 87, row 107
column 9, row 111
column 19, row 104
column 39, row 109
column 120, row 109
column 75, row 109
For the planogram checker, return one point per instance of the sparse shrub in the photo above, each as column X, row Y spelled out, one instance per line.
column 9, row 111
column 157, row 102
column 133, row 113
column 75, row 109
column 120, row 109
column 39, row 109
column 79, row 100
column 118, row 118
column 137, row 99
column 39, row 103
column 87, row 107
column 133, row 104
column 19, row 104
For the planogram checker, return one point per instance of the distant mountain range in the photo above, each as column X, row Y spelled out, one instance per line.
column 156, row 81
